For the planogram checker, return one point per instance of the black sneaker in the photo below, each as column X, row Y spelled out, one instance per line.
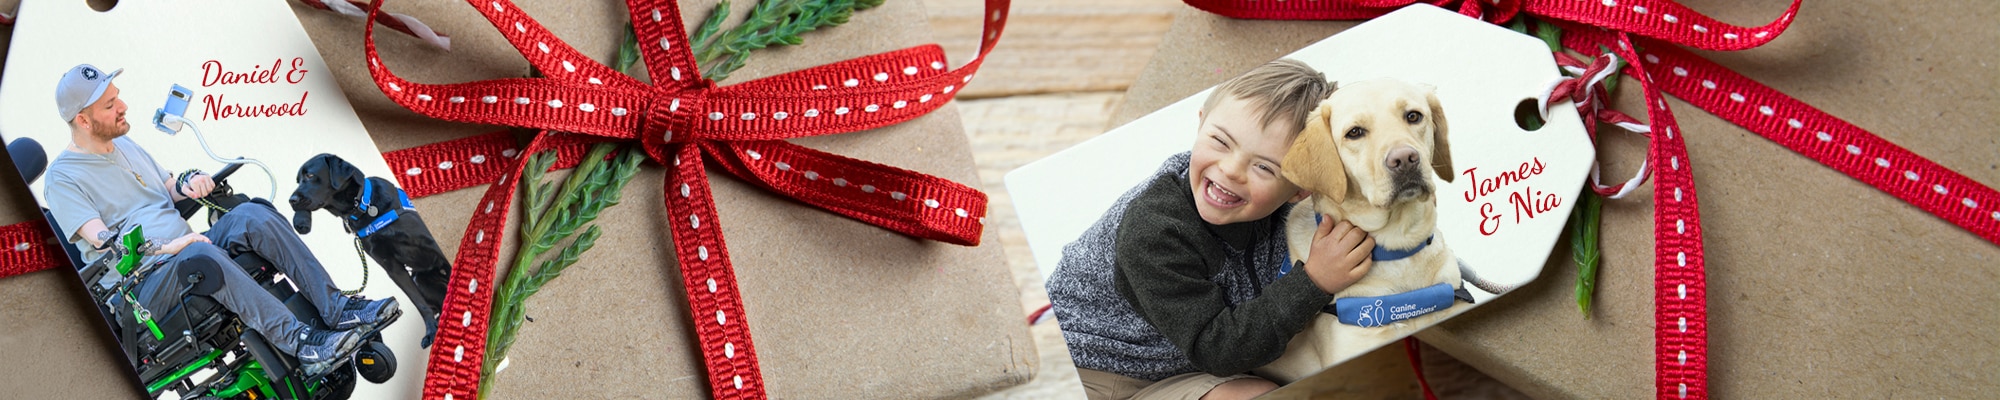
column 319, row 350
column 360, row 312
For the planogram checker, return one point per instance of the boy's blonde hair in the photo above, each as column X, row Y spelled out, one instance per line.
column 1284, row 89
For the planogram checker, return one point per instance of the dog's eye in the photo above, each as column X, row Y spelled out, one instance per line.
column 1356, row 133
column 1413, row 117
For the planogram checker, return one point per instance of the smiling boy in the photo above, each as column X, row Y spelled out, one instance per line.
column 1177, row 291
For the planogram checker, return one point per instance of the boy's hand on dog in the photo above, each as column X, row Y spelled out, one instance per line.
column 198, row 186
column 1341, row 254
column 175, row 246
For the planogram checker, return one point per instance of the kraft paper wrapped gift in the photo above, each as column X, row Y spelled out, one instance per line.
column 838, row 308
column 1818, row 285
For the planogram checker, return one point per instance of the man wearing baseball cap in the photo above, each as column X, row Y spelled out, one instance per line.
column 103, row 183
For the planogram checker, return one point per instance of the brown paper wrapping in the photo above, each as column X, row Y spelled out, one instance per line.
column 1819, row 285
column 839, row 309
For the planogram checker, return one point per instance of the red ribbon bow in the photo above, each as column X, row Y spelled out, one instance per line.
column 1680, row 316
column 683, row 121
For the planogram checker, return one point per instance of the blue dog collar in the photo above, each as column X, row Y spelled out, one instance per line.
column 1385, row 254
column 1377, row 311
column 368, row 192
column 1379, row 253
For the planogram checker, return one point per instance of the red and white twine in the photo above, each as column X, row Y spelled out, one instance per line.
column 401, row 23
column 1587, row 92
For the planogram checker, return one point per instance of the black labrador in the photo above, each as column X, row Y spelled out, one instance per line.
column 391, row 232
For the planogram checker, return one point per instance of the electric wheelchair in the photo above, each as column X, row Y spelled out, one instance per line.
column 197, row 349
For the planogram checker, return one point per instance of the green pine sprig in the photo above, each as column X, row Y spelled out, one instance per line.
column 554, row 216
column 1584, row 222
column 1586, row 219
column 719, row 52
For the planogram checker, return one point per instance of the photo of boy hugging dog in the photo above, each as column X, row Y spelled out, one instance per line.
column 1182, row 287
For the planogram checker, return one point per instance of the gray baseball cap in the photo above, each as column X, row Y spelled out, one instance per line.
column 80, row 87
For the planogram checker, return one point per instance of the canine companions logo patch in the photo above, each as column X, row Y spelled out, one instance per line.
column 1369, row 312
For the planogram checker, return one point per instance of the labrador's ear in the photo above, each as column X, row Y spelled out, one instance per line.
column 342, row 175
column 1313, row 162
column 1441, row 147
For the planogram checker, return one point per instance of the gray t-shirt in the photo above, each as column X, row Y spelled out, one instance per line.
column 82, row 187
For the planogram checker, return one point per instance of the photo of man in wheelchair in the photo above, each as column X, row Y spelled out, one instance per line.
column 243, row 310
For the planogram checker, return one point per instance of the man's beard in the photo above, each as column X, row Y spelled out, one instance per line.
column 109, row 130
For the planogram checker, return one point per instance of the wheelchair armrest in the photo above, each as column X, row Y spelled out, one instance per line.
column 227, row 171
column 93, row 273
column 187, row 208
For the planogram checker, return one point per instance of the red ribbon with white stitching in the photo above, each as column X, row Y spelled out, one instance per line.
column 1680, row 314
column 28, row 246
column 684, row 122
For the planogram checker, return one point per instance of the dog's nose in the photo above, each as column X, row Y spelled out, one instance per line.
column 1404, row 157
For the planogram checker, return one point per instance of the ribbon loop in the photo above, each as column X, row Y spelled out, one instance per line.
column 1665, row 20
column 664, row 44
column 900, row 200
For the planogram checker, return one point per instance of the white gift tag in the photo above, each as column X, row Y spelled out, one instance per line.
column 1500, row 213
column 249, row 83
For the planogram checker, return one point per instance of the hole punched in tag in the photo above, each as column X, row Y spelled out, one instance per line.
column 102, row 5
column 1527, row 117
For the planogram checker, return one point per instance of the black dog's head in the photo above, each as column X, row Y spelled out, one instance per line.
column 328, row 182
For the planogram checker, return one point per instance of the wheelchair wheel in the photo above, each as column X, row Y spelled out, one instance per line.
column 375, row 362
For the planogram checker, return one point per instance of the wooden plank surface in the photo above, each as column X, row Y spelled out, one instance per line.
column 1007, row 132
column 1053, row 46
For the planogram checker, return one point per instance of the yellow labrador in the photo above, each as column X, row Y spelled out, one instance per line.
column 1369, row 154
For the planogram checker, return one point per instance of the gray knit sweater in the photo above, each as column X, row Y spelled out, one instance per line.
column 1151, row 290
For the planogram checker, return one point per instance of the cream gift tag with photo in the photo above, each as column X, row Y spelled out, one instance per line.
column 1418, row 144
column 238, row 291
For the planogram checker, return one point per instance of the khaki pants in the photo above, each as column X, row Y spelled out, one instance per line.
column 1100, row 385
